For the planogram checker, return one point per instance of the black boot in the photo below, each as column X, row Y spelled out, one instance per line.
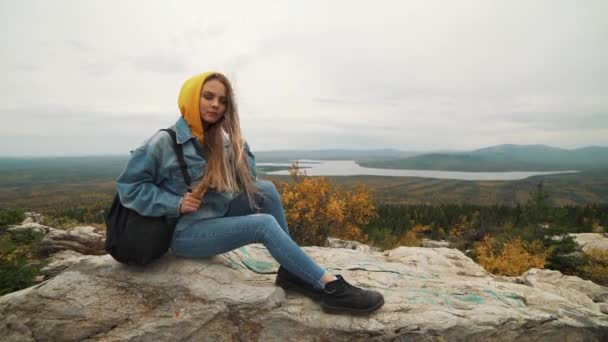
column 290, row 281
column 340, row 296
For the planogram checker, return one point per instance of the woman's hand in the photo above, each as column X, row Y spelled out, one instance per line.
column 190, row 203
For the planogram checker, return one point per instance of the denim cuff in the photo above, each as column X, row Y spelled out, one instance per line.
column 174, row 204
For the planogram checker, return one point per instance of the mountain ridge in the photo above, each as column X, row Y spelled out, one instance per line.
column 506, row 157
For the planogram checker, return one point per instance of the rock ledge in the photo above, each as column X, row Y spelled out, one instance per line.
column 431, row 294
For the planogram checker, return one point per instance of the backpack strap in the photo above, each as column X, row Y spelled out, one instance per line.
column 179, row 151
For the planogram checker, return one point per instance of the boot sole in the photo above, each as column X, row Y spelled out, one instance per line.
column 288, row 286
column 339, row 309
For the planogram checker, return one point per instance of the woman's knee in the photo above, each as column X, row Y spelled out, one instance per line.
column 267, row 225
column 269, row 190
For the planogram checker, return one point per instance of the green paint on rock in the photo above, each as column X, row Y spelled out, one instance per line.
column 244, row 250
column 257, row 266
column 233, row 264
column 491, row 293
column 470, row 298
column 421, row 275
column 506, row 298
column 426, row 296
column 517, row 298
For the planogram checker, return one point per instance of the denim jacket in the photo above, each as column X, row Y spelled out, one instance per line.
column 152, row 183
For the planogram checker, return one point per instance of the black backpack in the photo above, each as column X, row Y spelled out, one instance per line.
column 135, row 239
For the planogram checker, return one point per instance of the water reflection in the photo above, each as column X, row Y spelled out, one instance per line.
column 350, row 168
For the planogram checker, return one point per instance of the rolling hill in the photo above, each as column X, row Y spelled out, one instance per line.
column 502, row 158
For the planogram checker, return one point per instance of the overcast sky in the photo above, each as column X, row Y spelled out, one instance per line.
column 98, row 77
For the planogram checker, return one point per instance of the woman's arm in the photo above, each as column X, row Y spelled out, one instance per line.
column 137, row 187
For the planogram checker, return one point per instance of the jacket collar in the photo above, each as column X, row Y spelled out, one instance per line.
column 182, row 131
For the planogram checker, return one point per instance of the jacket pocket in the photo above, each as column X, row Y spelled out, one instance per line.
column 176, row 179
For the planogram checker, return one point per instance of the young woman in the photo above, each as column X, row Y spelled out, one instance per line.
column 226, row 207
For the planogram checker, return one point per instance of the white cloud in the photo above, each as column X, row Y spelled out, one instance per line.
column 315, row 74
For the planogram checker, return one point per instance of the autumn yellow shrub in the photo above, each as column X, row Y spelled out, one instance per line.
column 512, row 258
column 459, row 233
column 596, row 227
column 413, row 237
column 596, row 269
column 315, row 209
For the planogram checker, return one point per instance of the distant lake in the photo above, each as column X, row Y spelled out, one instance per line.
column 350, row 168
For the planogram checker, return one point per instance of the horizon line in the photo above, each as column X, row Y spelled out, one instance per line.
column 297, row 150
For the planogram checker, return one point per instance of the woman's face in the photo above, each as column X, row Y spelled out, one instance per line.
column 213, row 101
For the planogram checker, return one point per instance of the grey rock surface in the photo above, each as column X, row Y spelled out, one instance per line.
column 431, row 294
column 60, row 261
column 33, row 226
column 82, row 239
column 588, row 241
column 337, row 243
column 33, row 217
column 585, row 292
column 435, row 243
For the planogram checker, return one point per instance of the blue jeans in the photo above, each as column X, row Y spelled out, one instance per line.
column 210, row 237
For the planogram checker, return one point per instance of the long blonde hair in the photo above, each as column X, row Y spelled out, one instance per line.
column 223, row 173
